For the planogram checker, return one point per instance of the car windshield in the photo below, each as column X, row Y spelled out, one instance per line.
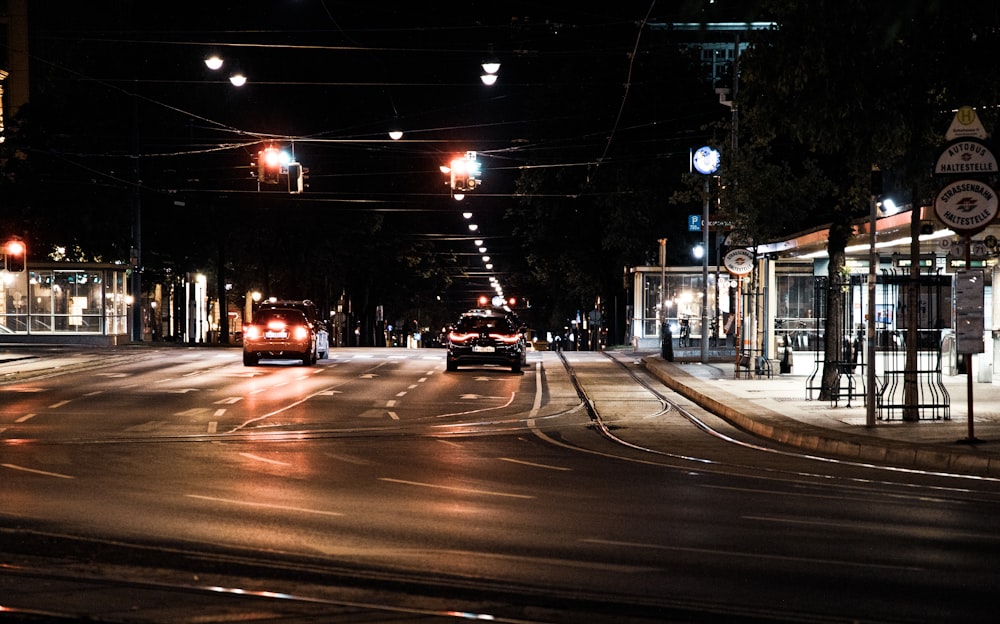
column 485, row 323
column 290, row 317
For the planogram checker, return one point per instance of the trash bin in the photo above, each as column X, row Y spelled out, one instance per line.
column 949, row 359
column 785, row 366
column 984, row 372
column 666, row 343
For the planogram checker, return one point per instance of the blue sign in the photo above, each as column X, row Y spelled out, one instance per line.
column 694, row 223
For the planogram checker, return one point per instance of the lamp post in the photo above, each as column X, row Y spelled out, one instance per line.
column 870, row 356
column 706, row 161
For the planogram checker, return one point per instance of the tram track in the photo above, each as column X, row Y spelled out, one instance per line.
column 749, row 454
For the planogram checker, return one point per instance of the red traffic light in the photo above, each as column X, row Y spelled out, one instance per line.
column 14, row 251
column 270, row 163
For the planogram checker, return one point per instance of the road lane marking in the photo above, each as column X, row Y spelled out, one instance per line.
column 24, row 418
column 219, row 412
column 41, row 472
column 265, row 459
column 455, row 488
column 421, row 380
column 751, row 555
column 278, row 411
column 534, row 465
column 58, row 405
column 94, row 393
column 390, row 403
column 263, row 505
column 213, row 426
column 394, row 415
column 401, row 394
column 229, row 401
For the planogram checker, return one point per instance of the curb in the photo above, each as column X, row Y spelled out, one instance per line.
column 780, row 428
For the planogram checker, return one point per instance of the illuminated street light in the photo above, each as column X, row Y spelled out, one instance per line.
column 491, row 66
column 213, row 62
column 238, row 79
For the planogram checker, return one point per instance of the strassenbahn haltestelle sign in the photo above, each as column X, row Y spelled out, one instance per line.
column 966, row 206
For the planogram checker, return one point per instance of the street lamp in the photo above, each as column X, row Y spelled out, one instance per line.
column 705, row 161
column 213, row 62
column 490, row 66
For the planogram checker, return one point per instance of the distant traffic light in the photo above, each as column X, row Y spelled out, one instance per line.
column 14, row 252
column 270, row 162
column 464, row 173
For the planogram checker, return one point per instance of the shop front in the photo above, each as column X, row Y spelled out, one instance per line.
column 61, row 302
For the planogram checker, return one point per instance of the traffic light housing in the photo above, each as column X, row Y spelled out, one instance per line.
column 14, row 251
column 270, row 161
column 464, row 173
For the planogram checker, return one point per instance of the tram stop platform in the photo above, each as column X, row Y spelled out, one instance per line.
column 783, row 409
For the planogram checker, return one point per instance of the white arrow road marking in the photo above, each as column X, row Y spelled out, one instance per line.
column 264, row 459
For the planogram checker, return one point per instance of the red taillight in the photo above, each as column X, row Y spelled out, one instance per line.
column 507, row 338
column 251, row 331
column 460, row 337
column 300, row 332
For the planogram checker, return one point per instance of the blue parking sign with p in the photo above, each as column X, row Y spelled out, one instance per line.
column 694, row 223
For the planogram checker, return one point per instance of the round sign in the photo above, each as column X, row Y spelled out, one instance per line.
column 739, row 261
column 966, row 206
column 706, row 160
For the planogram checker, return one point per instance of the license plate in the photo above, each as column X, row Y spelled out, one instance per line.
column 483, row 349
column 276, row 334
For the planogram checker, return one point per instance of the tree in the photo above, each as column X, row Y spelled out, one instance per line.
column 849, row 84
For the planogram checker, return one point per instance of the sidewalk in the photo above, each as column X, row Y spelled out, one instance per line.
column 779, row 409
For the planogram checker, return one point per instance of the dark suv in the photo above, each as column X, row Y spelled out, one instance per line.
column 486, row 337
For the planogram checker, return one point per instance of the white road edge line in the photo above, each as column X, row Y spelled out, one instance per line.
column 41, row 472
column 454, row 488
column 264, row 505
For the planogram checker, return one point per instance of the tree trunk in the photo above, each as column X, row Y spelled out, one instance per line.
column 832, row 347
column 911, row 388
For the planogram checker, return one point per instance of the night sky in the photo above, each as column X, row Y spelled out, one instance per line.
column 327, row 80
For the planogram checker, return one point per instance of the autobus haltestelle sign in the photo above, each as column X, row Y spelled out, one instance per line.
column 966, row 205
